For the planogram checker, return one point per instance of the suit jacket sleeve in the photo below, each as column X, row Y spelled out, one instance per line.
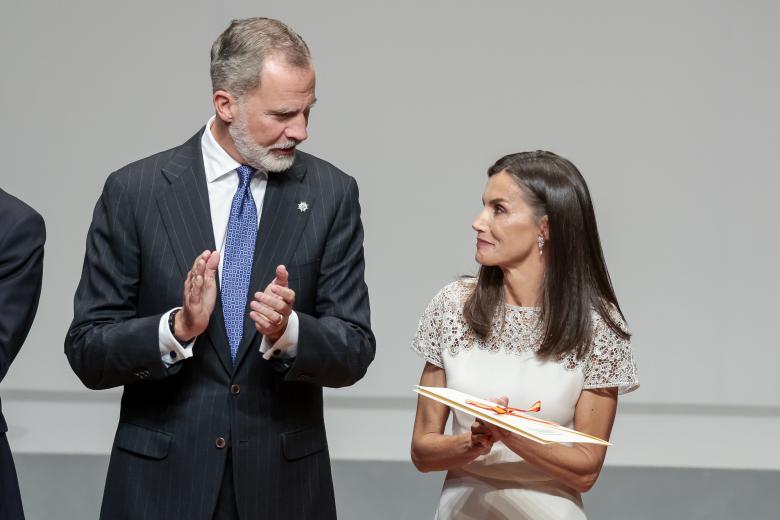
column 336, row 346
column 108, row 344
column 21, row 271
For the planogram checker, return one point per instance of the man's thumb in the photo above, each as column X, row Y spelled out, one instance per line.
column 281, row 276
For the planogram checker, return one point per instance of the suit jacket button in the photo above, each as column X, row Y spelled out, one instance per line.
column 235, row 389
column 220, row 442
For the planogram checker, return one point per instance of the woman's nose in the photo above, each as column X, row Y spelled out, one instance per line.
column 479, row 223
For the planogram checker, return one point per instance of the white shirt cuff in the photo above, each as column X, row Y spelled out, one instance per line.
column 170, row 349
column 286, row 346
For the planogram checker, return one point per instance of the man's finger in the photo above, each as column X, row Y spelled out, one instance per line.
column 212, row 263
column 262, row 324
column 188, row 283
column 200, row 267
column 201, row 256
column 195, row 291
column 281, row 276
column 259, row 306
column 276, row 303
column 285, row 293
column 269, row 313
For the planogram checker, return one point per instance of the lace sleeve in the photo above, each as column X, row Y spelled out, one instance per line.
column 611, row 362
column 427, row 341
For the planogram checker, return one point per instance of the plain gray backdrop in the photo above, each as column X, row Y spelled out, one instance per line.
column 669, row 109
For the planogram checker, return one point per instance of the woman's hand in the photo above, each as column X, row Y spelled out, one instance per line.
column 480, row 428
column 432, row 450
column 480, row 441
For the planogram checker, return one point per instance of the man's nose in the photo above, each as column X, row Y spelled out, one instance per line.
column 297, row 129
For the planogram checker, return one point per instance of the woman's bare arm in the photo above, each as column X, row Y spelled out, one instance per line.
column 431, row 449
column 577, row 466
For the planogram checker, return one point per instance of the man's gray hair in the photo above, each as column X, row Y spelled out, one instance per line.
column 238, row 54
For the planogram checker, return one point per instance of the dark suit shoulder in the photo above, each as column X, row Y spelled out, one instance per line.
column 143, row 176
column 13, row 209
column 326, row 175
column 17, row 216
column 323, row 166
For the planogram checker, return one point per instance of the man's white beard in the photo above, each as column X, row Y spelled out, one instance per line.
column 256, row 156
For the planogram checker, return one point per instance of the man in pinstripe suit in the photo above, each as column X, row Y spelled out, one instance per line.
column 222, row 417
column 22, row 237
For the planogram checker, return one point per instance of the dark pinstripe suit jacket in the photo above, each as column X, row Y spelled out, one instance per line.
column 150, row 223
column 22, row 235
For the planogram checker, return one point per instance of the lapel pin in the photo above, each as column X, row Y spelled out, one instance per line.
column 302, row 206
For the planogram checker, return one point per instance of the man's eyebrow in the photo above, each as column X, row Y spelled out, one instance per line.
column 281, row 111
column 284, row 111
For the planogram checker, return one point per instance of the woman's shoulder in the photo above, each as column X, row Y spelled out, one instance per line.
column 460, row 288
column 611, row 362
column 442, row 322
column 455, row 293
column 610, row 313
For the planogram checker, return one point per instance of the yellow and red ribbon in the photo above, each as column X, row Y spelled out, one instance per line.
column 510, row 410
column 506, row 410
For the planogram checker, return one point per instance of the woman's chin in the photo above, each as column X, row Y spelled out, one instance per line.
column 483, row 260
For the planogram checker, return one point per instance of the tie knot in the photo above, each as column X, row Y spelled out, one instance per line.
column 245, row 173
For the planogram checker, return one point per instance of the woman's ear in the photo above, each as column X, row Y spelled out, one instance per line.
column 544, row 228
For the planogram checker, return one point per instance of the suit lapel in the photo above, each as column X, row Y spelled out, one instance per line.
column 184, row 207
column 281, row 225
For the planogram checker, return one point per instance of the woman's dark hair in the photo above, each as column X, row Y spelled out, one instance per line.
column 576, row 281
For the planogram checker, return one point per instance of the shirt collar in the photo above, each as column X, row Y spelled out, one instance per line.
column 216, row 161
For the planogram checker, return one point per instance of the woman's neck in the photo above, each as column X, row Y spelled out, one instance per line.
column 523, row 283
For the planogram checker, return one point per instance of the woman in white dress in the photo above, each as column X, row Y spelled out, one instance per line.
column 539, row 322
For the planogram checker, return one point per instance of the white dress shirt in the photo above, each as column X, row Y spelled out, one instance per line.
column 222, row 183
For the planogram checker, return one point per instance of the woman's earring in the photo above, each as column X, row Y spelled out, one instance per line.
column 540, row 243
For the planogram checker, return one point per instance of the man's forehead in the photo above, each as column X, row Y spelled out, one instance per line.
column 275, row 67
column 286, row 84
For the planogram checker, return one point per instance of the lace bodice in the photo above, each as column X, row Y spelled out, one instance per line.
column 443, row 329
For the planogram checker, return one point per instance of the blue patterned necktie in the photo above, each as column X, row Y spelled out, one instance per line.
column 237, row 265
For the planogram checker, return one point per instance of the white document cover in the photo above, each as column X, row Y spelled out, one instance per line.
column 525, row 425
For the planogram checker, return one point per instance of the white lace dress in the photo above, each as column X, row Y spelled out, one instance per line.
column 501, row 485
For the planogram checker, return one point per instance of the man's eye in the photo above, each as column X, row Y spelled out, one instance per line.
column 281, row 116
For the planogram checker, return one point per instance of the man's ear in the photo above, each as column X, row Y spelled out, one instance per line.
column 225, row 105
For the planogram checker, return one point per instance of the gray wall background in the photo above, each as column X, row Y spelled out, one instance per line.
column 668, row 108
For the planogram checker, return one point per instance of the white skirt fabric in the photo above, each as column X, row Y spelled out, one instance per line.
column 470, row 497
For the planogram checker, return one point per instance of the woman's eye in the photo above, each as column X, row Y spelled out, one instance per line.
column 498, row 209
